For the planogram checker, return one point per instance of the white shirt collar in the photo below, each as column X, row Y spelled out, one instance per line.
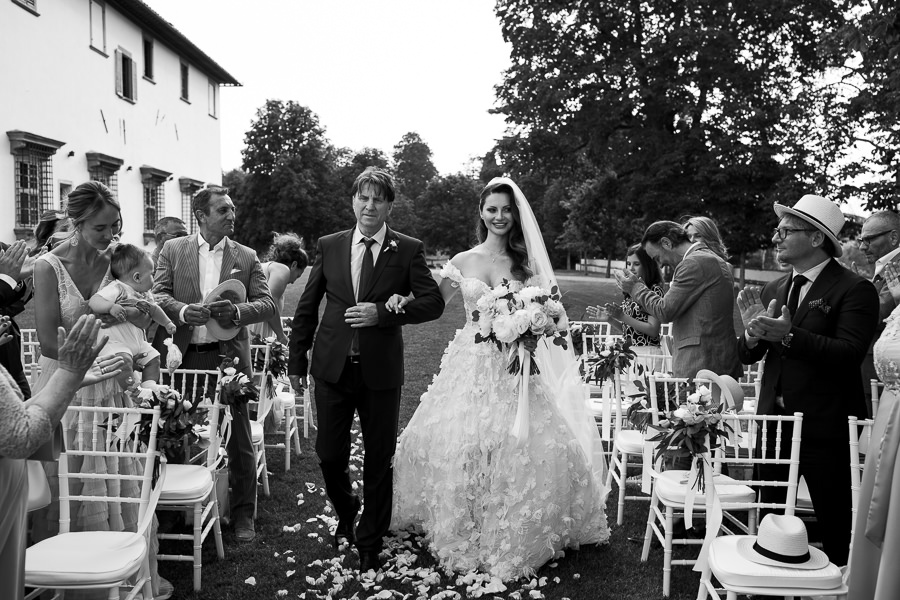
column 814, row 272
column 879, row 264
column 202, row 242
column 378, row 237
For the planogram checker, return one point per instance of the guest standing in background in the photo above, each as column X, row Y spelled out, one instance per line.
column 15, row 292
column 167, row 228
column 284, row 264
column 704, row 229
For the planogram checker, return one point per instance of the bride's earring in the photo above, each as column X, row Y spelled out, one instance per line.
column 74, row 240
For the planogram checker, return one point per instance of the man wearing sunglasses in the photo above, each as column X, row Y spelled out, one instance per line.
column 879, row 240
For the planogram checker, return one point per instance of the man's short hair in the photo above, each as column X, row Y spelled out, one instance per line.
column 380, row 180
column 201, row 199
column 665, row 229
column 888, row 217
column 160, row 230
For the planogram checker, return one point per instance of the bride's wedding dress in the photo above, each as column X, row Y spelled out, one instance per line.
column 484, row 500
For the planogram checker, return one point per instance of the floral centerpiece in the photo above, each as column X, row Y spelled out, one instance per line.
column 687, row 430
column 577, row 332
column 505, row 317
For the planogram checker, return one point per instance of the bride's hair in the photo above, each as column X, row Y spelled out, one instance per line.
column 515, row 241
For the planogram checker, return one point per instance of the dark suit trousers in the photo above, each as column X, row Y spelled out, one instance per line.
column 825, row 465
column 241, row 457
column 379, row 412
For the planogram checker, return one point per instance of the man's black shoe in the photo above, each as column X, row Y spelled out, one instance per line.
column 369, row 561
column 345, row 526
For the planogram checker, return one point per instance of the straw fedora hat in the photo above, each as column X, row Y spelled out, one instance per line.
column 782, row 542
column 821, row 213
column 230, row 289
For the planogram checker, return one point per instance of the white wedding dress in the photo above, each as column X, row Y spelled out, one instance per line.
column 484, row 500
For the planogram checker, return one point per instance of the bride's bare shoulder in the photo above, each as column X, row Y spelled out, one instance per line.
column 470, row 261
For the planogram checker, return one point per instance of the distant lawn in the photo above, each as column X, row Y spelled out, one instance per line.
column 610, row 572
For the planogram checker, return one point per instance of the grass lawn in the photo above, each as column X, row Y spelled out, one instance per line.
column 292, row 556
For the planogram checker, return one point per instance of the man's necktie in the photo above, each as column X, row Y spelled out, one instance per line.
column 365, row 275
column 368, row 267
column 794, row 299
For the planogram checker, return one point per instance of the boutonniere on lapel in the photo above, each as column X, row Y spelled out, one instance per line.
column 819, row 304
column 392, row 246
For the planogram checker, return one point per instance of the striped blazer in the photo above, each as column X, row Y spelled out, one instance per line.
column 177, row 283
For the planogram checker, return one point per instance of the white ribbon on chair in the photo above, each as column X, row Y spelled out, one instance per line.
column 520, row 426
column 713, row 509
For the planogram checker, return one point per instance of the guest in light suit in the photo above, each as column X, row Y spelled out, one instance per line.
column 813, row 327
column 188, row 269
column 699, row 302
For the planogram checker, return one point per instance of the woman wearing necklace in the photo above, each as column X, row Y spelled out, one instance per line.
column 486, row 500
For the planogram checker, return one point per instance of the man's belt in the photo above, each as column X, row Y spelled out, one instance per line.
column 202, row 348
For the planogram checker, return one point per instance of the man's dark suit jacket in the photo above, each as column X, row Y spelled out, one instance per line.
column 400, row 269
column 819, row 373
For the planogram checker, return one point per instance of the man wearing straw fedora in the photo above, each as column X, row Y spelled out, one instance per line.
column 212, row 288
column 813, row 327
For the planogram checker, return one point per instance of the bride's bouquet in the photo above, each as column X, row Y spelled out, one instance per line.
column 505, row 317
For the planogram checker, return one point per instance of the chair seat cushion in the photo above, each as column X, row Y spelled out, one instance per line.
column 672, row 487
column 84, row 559
column 256, row 432
column 731, row 568
column 630, row 441
column 185, row 483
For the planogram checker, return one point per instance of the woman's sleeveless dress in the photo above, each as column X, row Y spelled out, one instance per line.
column 87, row 516
column 485, row 502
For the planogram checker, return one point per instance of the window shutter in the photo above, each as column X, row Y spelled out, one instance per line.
column 133, row 80
column 119, row 86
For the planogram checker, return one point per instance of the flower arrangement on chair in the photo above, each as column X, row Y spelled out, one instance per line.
column 687, row 430
column 235, row 388
column 176, row 420
column 278, row 362
column 610, row 359
column 578, row 331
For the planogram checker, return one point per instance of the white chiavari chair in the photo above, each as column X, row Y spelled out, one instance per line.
column 31, row 347
column 877, row 389
column 191, row 488
column 82, row 560
column 671, row 488
column 860, row 441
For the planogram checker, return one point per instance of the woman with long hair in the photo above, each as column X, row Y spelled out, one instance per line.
column 488, row 499
column 704, row 229
column 64, row 280
column 284, row 264
column 639, row 327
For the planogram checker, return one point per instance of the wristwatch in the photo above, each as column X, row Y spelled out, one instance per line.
column 786, row 340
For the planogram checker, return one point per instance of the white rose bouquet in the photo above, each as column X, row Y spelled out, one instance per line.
column 508, row 318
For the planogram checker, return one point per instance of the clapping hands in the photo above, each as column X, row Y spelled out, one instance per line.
column 762, row 322
column 891, row 275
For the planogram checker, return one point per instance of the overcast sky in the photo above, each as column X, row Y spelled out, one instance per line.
column 372, row 70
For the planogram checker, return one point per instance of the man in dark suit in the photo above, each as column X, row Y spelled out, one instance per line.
column 15, row 292
column 189, row 268
column 813, row 326
column 357, row 361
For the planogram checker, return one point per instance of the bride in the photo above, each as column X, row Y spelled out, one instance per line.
column 485, row 499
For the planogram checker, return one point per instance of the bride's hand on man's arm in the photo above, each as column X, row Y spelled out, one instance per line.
column 396, row 303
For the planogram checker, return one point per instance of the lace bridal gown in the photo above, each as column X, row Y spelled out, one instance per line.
column 484, row 501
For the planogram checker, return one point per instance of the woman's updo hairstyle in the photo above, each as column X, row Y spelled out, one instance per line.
column 87, row 200
column 287, row 248
column 515, row 242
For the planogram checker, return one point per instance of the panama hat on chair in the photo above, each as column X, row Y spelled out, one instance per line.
column 821, row 213
column 782, row 542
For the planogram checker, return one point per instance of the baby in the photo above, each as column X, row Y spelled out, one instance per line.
column 133, row 272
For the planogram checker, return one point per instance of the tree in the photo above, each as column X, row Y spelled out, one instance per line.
column 290, row 183
column 448, row 213
column 412, row 165
column 665, row 107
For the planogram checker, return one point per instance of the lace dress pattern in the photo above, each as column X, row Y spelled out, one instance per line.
column 483, row 501
column 87, row 516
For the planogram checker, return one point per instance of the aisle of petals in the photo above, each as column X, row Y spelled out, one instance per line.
column 403, row 575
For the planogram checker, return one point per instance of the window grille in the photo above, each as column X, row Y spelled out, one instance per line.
column 154, row 200
column 34, row 183
column 189, row 187
column 104, row 169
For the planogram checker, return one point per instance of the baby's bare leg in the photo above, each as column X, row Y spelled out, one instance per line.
column 150, row 377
